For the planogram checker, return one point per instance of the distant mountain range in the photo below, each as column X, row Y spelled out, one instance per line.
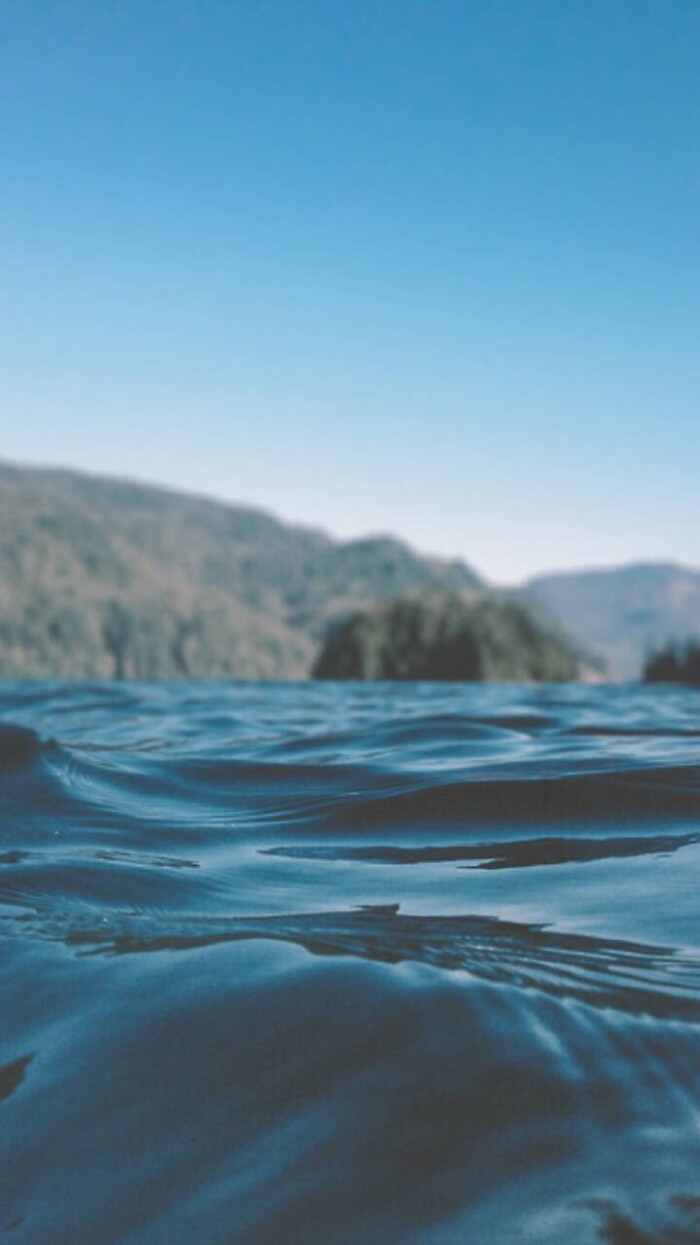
column 622, row 614
column 107, row 578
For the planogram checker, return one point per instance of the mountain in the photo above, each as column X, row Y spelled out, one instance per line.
column 444, row 638
column 622, row 614
column 104, row 578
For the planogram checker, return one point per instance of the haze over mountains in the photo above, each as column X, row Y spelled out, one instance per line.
column 106, row 578
column 623, row 614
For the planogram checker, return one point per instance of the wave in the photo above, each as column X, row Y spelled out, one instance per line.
column 635, row 977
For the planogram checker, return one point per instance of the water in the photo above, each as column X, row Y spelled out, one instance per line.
column 349, row 965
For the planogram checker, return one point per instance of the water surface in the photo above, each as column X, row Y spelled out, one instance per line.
column 349, row 965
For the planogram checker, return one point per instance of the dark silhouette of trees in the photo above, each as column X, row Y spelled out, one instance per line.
column 675, row 663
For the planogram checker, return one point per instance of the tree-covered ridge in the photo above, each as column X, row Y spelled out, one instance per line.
column 675, row 663
column 104, row 578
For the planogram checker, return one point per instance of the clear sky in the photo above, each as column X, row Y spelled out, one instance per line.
column 421, row 266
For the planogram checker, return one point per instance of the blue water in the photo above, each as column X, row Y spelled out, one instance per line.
column 349, row 965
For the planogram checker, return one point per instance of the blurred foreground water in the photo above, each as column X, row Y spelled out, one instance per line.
column 349, row 964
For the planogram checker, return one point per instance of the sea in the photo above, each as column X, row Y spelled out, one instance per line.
column 349, row 964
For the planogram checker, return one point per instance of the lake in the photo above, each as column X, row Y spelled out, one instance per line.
column 346, row 964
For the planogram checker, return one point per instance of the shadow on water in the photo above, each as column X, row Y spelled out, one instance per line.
column 12, row 1075
column 680, row 1226
column 506, row 854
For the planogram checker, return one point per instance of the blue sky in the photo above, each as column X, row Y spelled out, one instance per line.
column 421, row 266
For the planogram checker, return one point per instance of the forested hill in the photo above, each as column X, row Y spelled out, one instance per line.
column 446, row 638
column 104, row 578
